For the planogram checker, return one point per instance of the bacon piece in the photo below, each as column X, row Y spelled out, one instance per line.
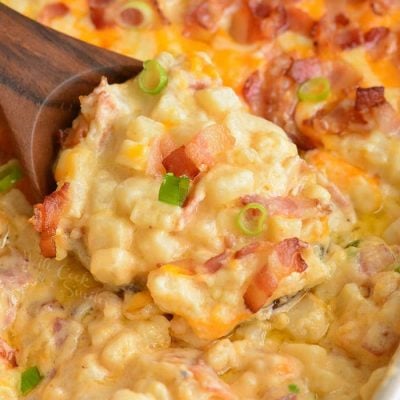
column 380, row 7
column 299, row 21
column 284, row 259
column 199, row 154
column 180, row 163
column 349, row 38
column 251, row 248
column 52, row 11
column 375, row 35
column 214, row 264
column 304, row 69
column 206, row 14
column 366, row 98
column 100, row 13
column 7, row 353
column 204, row 148
column 160, row 149
column 253, row 92
column 341, row 19
column 289, row 206
column 47, row 217
column 289, row 397
column 375, row 258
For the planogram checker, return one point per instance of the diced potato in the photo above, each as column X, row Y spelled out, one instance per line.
column 107, row 230
column 133, row 155
column 226, row 183
column 155, row 214
column 157, row 246
column 132, row 189
column 143, row 129
column 280, row 228
column 218, row 101
column 115, row 266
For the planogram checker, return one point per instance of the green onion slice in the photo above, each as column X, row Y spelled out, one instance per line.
column 153, row 79
column 10, row 173
column 174, row 189
column 135, row 14
column 30, row 379
column 252, row 225
column 293, row 388
column 354, row 243
column 397, row 269
column 314, row 90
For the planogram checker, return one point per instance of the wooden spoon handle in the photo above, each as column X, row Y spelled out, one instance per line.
column 42, row 74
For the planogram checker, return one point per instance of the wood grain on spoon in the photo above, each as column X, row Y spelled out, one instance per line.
column 42, row 75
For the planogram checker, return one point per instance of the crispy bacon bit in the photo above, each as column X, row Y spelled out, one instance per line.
column 214, row 264
column 284, row 258
column 180, row 164
column 304, row 69
column 7, row 353
column 52, row 11
column 375, row 35
column 206, row 14
column 299, row 21
column 289, row 206
column 251, row 248
column 200, row 153
column 367, row 98
column 253, row 92
column 204, row 148
column 47, row 217
column 380, row 7
column 341, row 19
column 349, row 38
column 99, row 13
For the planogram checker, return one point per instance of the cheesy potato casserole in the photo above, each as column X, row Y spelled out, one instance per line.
column 226, row 225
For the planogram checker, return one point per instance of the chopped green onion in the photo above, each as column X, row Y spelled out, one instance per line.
column 10, row 173
column 315, row 89
column 293, row 388
column 354, row 243
column 30, row 379
column 135, row 14
column 153, row 79
column 250, row 225
column 174, row 189
column 397, row 269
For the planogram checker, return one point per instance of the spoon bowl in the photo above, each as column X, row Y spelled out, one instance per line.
column 42, row 74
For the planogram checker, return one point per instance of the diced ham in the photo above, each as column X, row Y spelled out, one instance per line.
column 289, row 206
column 284, row 258
column 304, row 69
column 52, row 11
column 47, row 217
column 7, row 354
column 160, row 149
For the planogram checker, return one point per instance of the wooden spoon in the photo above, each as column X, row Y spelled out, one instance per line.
column 42, row 75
